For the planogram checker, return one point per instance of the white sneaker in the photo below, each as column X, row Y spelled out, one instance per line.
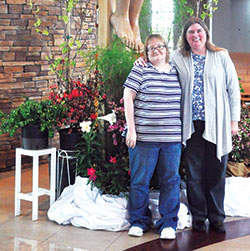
column 135, row 231
column 168, row 233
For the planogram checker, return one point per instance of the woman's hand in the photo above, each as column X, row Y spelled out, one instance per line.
column 234, row 127
column 131, row 138
column 141, row 61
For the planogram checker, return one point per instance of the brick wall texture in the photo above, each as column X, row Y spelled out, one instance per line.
column 24, row 70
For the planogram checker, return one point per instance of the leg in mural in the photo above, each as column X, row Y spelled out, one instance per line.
column 134, row 14
column 125, row 22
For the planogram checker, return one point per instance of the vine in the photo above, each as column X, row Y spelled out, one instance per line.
column 63, row 66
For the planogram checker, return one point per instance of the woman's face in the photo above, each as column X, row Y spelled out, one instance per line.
column 196, row 37
column 157, row 51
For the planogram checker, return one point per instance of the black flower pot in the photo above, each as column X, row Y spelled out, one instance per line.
column 33, row 139
column 69, row 138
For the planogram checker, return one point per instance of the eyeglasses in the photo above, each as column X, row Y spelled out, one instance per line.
column 159, row 47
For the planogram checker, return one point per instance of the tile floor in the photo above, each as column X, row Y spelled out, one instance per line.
column 21, row 233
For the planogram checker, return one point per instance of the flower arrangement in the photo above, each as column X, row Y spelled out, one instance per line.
column 241, row 141
column 80, row 103
column 108, row 170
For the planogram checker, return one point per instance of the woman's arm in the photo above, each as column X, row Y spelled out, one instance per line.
column 129, row 97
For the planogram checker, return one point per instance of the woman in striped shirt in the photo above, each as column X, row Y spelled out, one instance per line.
column 152, row 109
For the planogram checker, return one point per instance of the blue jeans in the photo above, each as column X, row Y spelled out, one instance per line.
column 143, row 160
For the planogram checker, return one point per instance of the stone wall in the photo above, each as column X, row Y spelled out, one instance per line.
column 24, row 70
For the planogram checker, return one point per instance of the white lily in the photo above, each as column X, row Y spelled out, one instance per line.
column 85, row 126
column 111, row 117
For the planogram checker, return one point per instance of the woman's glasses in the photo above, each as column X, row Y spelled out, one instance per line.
column 159, row 48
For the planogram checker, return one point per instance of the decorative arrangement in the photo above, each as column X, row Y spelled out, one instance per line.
column 241, row 141
column 82, row 102
column 102, row 154
column 93, row 106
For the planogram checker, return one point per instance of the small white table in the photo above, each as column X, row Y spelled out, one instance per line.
column 36, row 190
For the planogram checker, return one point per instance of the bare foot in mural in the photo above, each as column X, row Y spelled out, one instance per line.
column 134, row 14
column 125, row 22
column 139, row 46
column 123, row 30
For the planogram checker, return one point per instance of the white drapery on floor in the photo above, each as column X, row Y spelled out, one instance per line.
column 82, row 207
column 237, row 197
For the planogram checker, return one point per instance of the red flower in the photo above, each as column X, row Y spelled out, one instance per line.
column 91, row 172
column 112, row 160
column 104, row 96
column 75, row 93
column 79, row 103
column 93, row 116
column 59, row 124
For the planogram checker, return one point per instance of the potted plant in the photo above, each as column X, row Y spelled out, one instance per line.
column 37, row 119
column 82, row 102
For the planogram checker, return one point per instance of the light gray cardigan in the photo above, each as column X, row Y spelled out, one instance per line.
column 221, row 97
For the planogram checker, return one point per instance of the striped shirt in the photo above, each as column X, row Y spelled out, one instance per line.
column 157, row 104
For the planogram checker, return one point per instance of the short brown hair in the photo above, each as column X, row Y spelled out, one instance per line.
column 158, row 36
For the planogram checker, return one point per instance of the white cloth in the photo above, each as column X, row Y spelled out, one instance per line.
column 82, row 207
column 237, row 196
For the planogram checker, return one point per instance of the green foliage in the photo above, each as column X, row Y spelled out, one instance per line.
column 241, row 88
column 145, row 20
column 31, row 112
column 181, row 12
column 208, row 9
column 114, row 63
